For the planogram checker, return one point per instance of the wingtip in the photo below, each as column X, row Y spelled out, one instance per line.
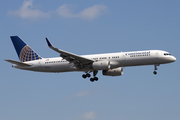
column 6, row 60
column 49, row 44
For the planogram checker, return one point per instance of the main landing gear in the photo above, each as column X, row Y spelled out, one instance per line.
column 89, row 75
column 155, row 68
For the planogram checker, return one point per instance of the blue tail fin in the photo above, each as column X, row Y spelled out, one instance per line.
column 24, row 52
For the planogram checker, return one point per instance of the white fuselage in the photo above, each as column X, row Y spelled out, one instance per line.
column 121, row 59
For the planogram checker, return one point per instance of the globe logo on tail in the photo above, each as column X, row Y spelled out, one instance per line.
column 27, row 54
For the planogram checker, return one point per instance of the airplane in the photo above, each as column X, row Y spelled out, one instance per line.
column 111, row 64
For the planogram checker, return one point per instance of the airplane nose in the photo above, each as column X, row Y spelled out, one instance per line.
column 173, row 58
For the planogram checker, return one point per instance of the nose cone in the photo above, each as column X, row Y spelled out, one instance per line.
column 169, row 59
column 173, row 59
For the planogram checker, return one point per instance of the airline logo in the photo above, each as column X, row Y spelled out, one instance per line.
column 138, row 53
column 27, row 54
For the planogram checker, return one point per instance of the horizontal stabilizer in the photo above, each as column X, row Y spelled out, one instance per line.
column 18, row 63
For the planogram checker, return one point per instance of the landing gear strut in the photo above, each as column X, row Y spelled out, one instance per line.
column 155, row 68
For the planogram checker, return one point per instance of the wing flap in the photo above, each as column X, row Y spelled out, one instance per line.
column 18, row 63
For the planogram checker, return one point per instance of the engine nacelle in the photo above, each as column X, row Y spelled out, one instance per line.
column 113, row 72
column 101, row 65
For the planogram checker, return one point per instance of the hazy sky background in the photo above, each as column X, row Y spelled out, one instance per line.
column 88, row 27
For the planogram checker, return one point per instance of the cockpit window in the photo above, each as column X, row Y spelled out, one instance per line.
column 167, row 54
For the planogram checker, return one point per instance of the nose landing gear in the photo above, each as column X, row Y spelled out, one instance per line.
column 155, row 68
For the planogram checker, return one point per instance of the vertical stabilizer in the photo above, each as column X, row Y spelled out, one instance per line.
column 24, row 52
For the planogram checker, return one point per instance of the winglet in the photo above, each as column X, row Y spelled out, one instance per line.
column 49, row 44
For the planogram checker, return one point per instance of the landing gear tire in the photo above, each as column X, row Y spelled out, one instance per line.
column 84, row 76
column 88, row 75
column 96, row 78
column 154, row 72
column 92, row 79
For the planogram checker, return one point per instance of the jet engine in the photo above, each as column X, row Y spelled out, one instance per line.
column 113, row 72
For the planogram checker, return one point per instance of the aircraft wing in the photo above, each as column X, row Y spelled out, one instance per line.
column 78, row 61
column 18, row 63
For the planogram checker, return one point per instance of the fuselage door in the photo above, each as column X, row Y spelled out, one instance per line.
column 124, row 57
column 39, row 64
column 157, row 54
